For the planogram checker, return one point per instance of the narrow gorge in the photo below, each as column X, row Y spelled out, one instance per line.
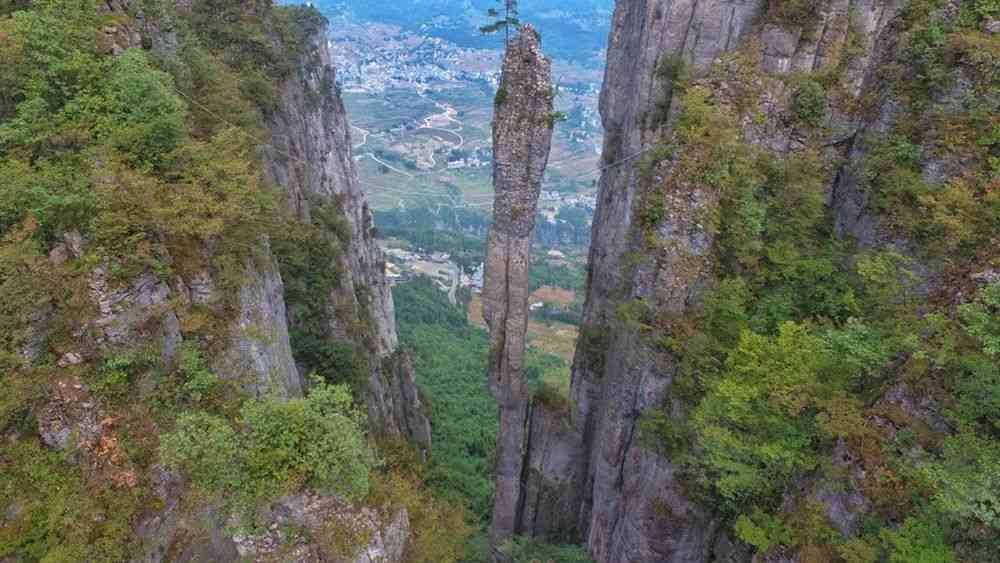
column 787, row 346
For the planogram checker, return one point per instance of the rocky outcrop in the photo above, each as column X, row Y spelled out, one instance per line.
column 522, row 138
column 305, row 528
column 259, row 346
column 310, row 158
column 73, row 422
column 326, row 529
column 147, row 310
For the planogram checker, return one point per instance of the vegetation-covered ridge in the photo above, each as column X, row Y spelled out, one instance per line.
column 824, row 364
column 151, row 404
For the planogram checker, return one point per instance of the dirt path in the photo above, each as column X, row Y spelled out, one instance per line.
column 364, row 140
column 387, row 165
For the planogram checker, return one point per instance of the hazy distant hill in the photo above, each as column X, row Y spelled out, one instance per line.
column 571, row 29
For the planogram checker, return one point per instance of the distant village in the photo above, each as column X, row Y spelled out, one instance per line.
column 399, row 64
column 478, row 158
column 403, row 265
column 374, row 60
column 560, row 199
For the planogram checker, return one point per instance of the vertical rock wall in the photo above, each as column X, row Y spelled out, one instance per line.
column 522, row 137
column 310, row 158
column 585, row 476
column 632, row 506
column 256, row 351
column 587, row 479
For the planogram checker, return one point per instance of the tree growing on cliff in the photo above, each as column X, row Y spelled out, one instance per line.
column 509, row 19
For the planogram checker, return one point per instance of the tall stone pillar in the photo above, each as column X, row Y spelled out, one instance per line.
column 522, row 136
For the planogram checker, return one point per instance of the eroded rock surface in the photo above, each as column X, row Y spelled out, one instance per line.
column 324, row 528
column 522, row 137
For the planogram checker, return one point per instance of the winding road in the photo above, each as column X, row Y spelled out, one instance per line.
column 429, row 124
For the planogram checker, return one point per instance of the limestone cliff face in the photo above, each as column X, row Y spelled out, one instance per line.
column 310, row 158
column 252, row 346
column 586, row 477
column 145, row 311
column 522, row 138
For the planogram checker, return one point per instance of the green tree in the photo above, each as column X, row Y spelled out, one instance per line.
column 921, row 539
column 207, row 449
column 967, row 479
column 142, row 114
column 522, row 549
column 503, row 20
column 59, row 516
column 982, row 318
column 778, row 399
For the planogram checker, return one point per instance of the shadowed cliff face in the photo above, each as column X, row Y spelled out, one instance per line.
column 522, row 136
column 310, row 158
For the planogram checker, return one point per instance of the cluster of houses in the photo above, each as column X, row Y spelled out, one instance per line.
column 475, row 159
column 403, row 265
column 551, row 202
column 396, row 65
column 563, row 199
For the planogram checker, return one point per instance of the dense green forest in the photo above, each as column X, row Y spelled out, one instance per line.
column 462, row 234
column 449, row 356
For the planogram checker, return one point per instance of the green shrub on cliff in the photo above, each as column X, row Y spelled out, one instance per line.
column 57, row 516
column 779, row 397
column 70, row 96
column 809, row 103
column 800, row 13
column 279, row 446
column 100, row 145
column 522, row 549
